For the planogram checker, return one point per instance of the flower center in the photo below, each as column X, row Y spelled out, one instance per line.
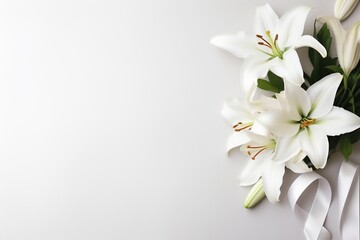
column 271, row 43
column 241, row 126
column 305, row 122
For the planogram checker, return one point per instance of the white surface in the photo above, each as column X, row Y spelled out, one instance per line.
column 110, row 124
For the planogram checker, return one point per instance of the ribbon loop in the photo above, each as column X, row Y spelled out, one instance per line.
column 348, row 199
column 313, row 220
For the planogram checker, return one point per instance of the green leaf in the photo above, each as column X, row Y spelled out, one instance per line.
column 322, row 66
column 352, row 102
column 345, row 146
column 355, row 136
column 335, row 68
column 267, row 86
column 324, row 37
column 276, row 81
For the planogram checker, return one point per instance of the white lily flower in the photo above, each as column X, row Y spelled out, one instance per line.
column 241, row 114
column 343, row 8
column 271, row 46
column 261, row 150
column 307, row 118
column 255, row 141
column 242, row 117
column 347, row 43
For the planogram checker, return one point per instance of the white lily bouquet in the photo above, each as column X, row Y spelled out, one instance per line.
column 283, row 117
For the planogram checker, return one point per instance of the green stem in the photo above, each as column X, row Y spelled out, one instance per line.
column 346, row 78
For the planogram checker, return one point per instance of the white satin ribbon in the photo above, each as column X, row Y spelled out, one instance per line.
column 348, row 199
column 312, row 221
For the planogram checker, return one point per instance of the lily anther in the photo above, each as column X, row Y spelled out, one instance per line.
column 305, row 122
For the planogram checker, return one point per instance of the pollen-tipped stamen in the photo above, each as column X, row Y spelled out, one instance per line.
column 253, row 158
column 236, row 125
column 307, row 122
column 241, row 126
column 272, row 44
column 264, row 42
column 259, row 149
column 255, row 147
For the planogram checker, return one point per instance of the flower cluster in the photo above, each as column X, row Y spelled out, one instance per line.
column 285, row 118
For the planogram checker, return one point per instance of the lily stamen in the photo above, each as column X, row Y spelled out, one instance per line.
column 276, row 38
column 239, row 129
column 264, row 43
column 307, row 122
column 236, row 125
column 255, row 150
column 241, row 126
column 248, row 146
column 271, row 43
column 253, row 158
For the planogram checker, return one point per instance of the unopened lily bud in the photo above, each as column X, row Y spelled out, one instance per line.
column 255, row 195
column 343, row 8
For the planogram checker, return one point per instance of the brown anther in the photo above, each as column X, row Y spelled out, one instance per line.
column 263, row 44
column 239, row 129
column 255, row 147
column 276, row 38
column 236, row 125
column 307, row 123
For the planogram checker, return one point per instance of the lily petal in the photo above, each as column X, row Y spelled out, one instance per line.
column 240, row 45
column 322, row 95
column 272, row 179
column 277, row 124
column 351, row 50
column 338, row 32
column 297, row 165
column 252, row 69
column 251, row 172
column 291, row 26
column 288, row 68
column 259, row 129
column 265, row 103
column 282, row 99
column 298, row 102
column 310, row 41
column 286, row 149
column 236, row 140
column 265, row 19
column 316, row 145
column 339, row 121
column 234, row 111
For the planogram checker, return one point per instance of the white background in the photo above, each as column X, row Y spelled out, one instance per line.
column 110, row 123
